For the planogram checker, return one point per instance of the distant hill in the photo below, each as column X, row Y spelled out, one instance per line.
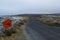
column 57, row 14
column 36, row 14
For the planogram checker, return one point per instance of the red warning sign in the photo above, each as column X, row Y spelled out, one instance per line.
column 7, row 23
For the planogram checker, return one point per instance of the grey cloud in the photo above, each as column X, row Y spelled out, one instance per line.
column 29, row 6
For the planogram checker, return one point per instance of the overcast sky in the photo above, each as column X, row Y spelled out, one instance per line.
column 29, row 6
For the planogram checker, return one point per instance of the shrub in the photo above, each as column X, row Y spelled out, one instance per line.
column 7, row 33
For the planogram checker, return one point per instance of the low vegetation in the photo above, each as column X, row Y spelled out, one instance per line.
column 15, row 33
column 49, row 21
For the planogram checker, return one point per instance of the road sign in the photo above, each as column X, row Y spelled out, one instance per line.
column 7, row 23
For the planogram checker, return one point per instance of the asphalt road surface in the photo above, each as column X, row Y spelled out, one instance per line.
column 35, row 30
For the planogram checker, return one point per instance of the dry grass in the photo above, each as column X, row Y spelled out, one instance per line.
column 49, row 21
column 17, row 36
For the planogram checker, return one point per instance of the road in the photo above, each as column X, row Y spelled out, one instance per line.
column 35, row 30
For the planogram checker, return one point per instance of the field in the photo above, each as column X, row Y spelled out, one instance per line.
column 52, row 21
column 15, row 33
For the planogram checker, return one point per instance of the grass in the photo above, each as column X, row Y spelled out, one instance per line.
column 15, row 33
column 48, row 22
